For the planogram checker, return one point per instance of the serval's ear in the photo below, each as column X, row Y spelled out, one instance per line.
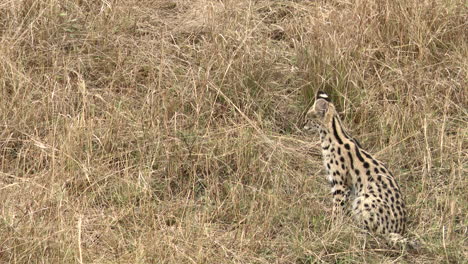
column 322, row 95
column 321, row 105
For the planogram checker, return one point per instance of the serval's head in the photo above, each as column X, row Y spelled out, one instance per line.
column 321, row 113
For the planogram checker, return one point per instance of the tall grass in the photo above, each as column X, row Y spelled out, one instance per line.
column 170, row 131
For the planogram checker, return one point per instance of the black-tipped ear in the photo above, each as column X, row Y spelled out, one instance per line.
column 322, row 95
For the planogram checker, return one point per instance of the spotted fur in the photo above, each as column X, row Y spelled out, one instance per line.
column 358, row 181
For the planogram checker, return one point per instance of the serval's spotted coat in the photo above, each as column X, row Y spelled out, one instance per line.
column 359, row 181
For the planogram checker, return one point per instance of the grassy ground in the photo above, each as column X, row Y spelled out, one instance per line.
column 169, row 131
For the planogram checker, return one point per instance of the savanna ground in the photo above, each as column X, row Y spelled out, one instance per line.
column 170, row 131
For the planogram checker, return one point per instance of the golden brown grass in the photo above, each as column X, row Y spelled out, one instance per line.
column 169, row 131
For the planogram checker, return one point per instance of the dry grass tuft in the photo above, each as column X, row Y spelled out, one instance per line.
column 169, row 131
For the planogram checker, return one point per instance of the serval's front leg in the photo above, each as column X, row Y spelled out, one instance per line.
column 341, row 193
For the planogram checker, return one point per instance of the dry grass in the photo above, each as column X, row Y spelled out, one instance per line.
column 168, row 131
